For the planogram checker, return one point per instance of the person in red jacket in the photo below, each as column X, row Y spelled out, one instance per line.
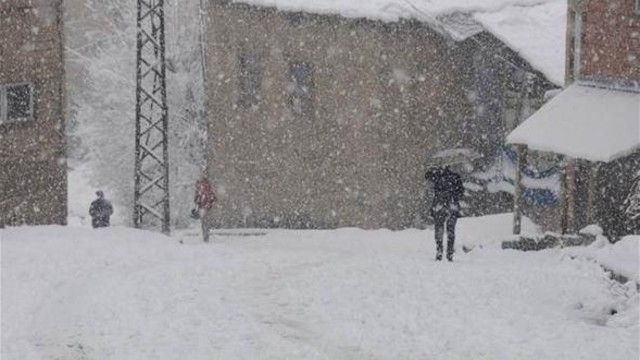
column 204, row 199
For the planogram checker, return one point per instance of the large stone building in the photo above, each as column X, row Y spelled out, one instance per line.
column 324, row 120
column 33, row 180
column 595, row 121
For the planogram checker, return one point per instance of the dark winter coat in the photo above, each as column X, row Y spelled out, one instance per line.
column 448, row 191
column 100, row 212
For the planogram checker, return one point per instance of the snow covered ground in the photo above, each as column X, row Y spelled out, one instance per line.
column 119, row 293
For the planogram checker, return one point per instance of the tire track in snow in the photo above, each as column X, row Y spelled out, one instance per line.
column 270, row 304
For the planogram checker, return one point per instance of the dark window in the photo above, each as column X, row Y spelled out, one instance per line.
column 250, row 81
column 638, row 7
column 295, row 18
column 16, row 103
column 302, row 88
column 510, row 109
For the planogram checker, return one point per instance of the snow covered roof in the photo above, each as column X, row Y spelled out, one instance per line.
column 584, row 122
column 393, row 10
column 533, row 28
column 537, row 33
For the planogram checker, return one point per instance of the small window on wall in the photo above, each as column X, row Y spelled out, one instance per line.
column 16, row 103
column 529, row 106
column 510, row 109
column 637, row 7
column 301, row 88
column 250, row 81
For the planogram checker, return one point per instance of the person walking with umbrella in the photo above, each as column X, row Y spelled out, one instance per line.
column 445, row 208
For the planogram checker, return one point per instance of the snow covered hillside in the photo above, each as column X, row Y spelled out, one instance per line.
column 119, row 293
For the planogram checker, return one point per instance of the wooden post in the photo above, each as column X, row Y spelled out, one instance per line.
column 570, row 197
column 593, row 178
column 521, row 161
column 563, row 218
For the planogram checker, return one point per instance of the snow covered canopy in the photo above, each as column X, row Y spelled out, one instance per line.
column 585, row 122
column 535, row 29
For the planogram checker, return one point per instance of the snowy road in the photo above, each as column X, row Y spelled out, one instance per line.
column 75, row 293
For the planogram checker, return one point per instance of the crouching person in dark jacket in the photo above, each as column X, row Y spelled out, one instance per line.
column 445, row 208
column 100, row 211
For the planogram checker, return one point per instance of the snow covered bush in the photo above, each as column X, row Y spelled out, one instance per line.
column 632, row 203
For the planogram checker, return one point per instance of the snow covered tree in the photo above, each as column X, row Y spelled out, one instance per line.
column 102, row 103
column 632, row 203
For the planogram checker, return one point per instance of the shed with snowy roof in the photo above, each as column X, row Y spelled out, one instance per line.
column 322, row 113
column 595, row 121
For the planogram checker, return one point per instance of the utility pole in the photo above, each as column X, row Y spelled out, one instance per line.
column 519, row 188
column 151, row 189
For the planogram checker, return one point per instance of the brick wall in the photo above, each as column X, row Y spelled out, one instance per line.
column 611, row 45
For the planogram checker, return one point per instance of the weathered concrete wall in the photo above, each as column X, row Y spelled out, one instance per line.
column 33, row 180
column 387, row 96
column 381, row 91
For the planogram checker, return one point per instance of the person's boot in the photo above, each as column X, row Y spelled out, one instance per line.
column 205, row 234
column 450, row 252
column 450, row 248
column 438, row 250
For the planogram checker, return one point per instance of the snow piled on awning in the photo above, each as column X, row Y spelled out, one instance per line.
column 584, row 122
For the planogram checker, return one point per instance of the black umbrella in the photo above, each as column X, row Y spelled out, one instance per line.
column 461, row 157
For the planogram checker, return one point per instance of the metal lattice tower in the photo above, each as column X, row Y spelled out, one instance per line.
column 151, row 189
